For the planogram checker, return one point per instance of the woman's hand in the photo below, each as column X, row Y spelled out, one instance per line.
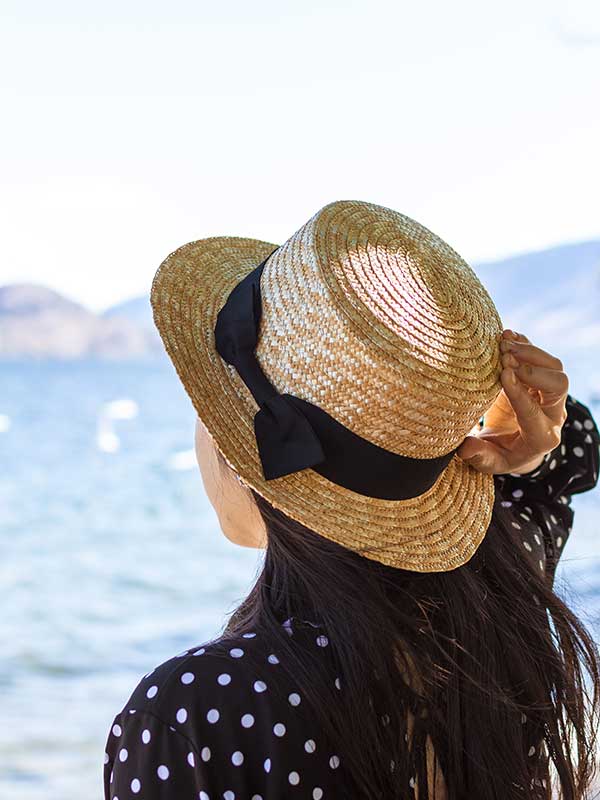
column 525, row 421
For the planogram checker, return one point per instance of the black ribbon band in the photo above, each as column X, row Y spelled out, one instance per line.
column 293, row 434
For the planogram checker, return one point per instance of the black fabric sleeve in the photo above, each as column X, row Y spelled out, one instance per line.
column 148, row 758
column 570, row 468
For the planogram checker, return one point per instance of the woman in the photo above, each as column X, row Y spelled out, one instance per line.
column 403, row 639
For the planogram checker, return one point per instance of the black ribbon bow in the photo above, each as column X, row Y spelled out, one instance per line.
column 285, row 438
column 293, row 434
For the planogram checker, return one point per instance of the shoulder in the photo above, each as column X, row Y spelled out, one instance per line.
column 218, row 687
column 201, row 676
column 229, row 711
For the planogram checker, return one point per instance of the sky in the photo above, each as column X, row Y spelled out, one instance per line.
column 133, row 127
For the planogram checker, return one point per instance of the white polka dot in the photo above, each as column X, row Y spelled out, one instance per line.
column 506, row 503
column 527, row 546
column 256, row 797
column 310, row 745
column 237, row 758
column 213, row 715
column 553, row 518
column 191, row 759
column 187, row 677
column 588, row 424
column 181, row 715
column 132, row 710
column 260, row 686
column 525, row 517
column 517, row 493
column 537, row 538
column 279, row 729
column 559, row 541
column 411, row 783
column 317, row 793
column 337, row 683
column 200, row 652
column 224, row 679
column 267, row 765
column 116, row 729
column 322, row 641
column 146, row 735
column 515, row 525
column 248, row 635
column 294, row 699
column 287, row 625
column 577, row 424
column 531, row 751
column 123, row 754
column 163, row 772
column 106, row 758
column 135, row 785
column 578, row 451
column 541, row 563
column 536, row 599
column 205, row 754
column 334, row 762
column 552, row 464
column 273, row 659
column 247, row 721
column 203, row 796
column 294, row 778
column 152, row 692
column 236, row 652
column 228, row 795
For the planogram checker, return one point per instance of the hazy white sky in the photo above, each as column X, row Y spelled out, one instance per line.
column 130, row 128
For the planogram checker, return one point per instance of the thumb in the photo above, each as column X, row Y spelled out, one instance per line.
column 477, row 452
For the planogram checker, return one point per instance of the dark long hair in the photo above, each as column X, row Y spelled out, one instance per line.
column 498, row 663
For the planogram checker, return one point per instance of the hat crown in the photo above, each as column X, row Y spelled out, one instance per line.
column 371, row 316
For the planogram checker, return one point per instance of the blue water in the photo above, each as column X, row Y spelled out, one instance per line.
column 112, row 562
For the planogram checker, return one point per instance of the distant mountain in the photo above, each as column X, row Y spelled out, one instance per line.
column 138, row 310
column 552, row 295
column 552, row 292
column 37, row 322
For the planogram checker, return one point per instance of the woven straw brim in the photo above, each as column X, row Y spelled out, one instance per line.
column 434, row 532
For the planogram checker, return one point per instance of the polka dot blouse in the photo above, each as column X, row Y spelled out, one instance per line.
column 205, row 725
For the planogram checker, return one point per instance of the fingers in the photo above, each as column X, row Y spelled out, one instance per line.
column 532, row 421
column 529, row 352
column 517, row 337
column 552, row 381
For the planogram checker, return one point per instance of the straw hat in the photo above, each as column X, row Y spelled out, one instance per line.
column 373, row 350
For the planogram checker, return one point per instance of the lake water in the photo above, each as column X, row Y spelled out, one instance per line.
column 112, row 560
